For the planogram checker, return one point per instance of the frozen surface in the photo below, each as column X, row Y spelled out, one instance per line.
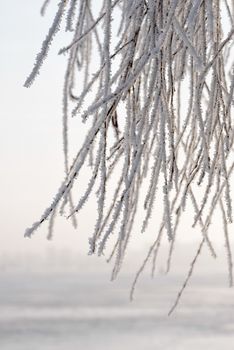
column 73, row 310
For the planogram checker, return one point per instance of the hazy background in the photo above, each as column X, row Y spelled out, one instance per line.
column 52, row 295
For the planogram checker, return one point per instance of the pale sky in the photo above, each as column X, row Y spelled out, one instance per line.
column 31, row 135
column 31, row 141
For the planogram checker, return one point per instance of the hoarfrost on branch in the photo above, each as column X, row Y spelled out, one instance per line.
column 141, row 127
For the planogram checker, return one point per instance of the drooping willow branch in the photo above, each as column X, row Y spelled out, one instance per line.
column 155, row 80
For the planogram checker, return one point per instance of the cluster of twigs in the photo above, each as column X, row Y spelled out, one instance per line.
column 159, row 98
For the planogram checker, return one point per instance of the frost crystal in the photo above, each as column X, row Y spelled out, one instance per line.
column 157, row 98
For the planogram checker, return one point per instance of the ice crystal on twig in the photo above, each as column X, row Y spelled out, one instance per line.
column 157, row 99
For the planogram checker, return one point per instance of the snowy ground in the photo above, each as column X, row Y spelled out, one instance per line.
column 70, row 310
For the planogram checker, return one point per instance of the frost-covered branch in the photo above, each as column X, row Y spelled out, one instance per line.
column 153, row 82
